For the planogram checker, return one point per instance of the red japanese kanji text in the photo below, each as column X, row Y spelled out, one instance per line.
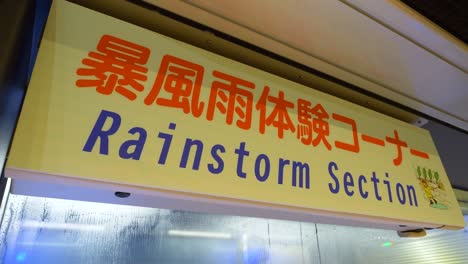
column 117, row 66
column 178, row 85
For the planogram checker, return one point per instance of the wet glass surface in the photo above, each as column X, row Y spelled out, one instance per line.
column 43, row 230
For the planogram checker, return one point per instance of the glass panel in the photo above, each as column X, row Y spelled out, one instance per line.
column 341, row 244
column 42, row 230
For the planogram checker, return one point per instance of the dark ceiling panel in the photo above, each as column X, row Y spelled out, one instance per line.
column 451, row 15
column 452, row 146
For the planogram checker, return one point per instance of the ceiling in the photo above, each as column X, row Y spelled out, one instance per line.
column 451, row 15
column 452, row 146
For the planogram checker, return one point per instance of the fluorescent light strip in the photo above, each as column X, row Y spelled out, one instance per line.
column 245, row 247
column 201, row 234
column 62, row 226
column 46, row 244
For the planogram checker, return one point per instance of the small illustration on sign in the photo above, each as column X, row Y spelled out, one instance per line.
column 434, row 189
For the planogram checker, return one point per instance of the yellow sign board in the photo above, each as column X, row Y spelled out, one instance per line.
column 112, row 102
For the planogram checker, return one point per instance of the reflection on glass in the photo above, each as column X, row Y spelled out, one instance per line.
column 42, row 230
column 341, row 244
